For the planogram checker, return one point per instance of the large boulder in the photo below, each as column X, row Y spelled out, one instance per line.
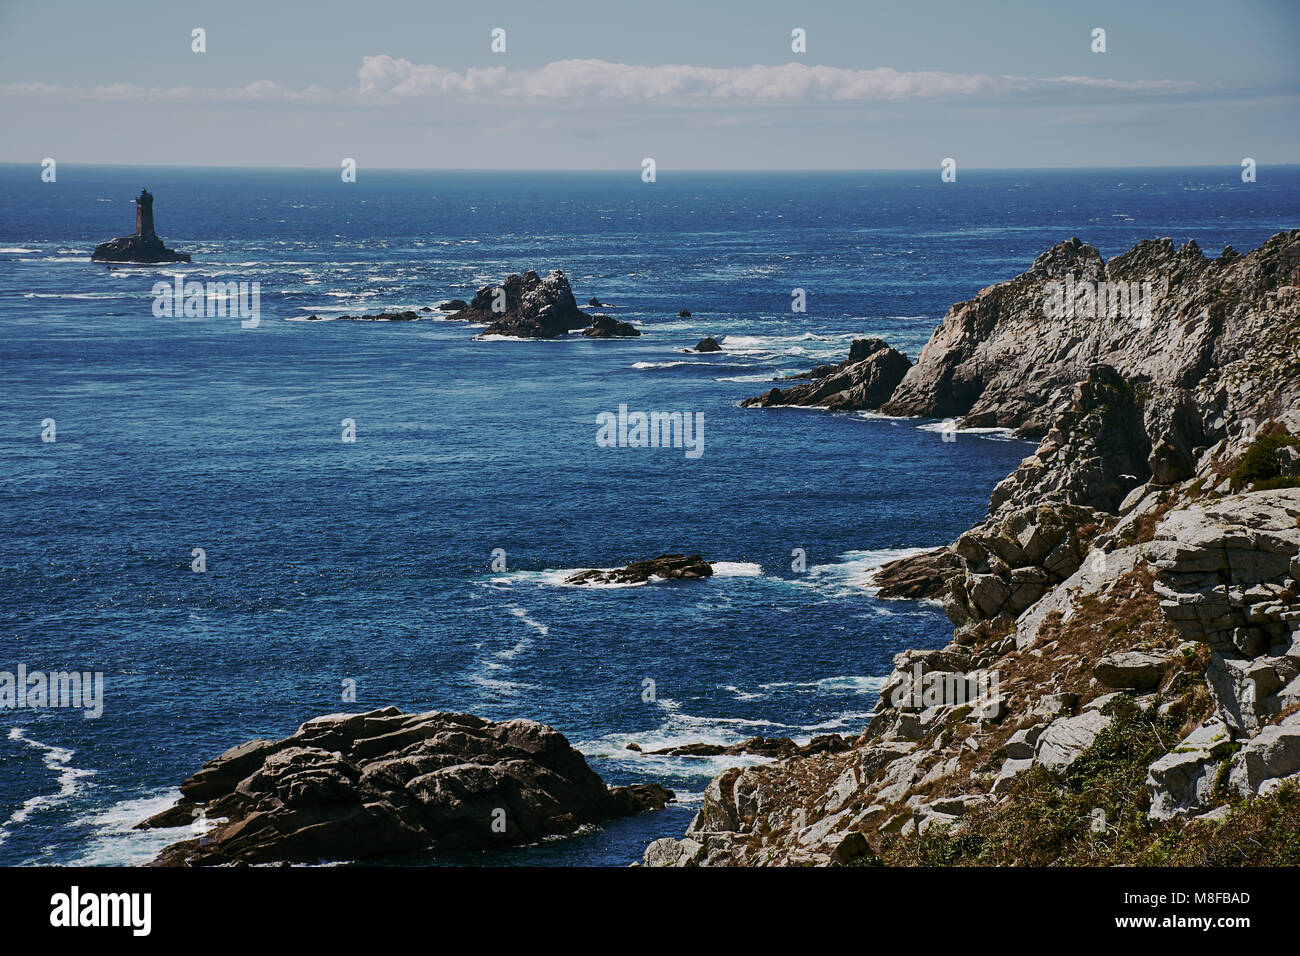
column 1066, row 738
column 384, row 783
column 1131, row 670
column 1181, row 783
column 1267, row 759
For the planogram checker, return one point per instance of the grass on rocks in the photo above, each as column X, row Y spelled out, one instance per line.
column 1052, row 821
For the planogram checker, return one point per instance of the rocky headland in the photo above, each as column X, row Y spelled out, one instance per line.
column 1134, row 591
column 384, row 783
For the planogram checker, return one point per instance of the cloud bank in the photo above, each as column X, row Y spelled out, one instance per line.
column 383, row 75
column 386, row 79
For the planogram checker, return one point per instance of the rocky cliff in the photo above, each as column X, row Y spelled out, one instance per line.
column 1123, row 683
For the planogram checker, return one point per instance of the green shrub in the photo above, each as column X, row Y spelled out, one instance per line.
column 1260, row 467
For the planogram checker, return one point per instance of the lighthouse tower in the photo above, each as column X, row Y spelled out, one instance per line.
column 144, row 214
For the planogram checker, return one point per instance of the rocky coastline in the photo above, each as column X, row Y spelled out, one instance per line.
column 1134, row 590
column 1133, row 593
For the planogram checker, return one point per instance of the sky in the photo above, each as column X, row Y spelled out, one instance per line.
column 603, row 84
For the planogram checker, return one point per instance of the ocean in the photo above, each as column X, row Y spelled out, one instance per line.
column 369, row 563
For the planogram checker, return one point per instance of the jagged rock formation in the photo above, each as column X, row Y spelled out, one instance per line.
column 144, row 246
column 863, row 381
column 383, row 783
column 1134, row 586
column 665, row 566
column 527, row 306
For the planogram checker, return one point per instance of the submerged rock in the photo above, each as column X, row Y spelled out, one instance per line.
column 144, row 246
column 407, row 316
column 668, row 566
column 383, row 783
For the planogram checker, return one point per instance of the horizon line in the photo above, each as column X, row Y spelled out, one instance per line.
column 635, row 169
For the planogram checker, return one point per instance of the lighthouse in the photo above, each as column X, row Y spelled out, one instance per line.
column 144, row 246
column 144, row 214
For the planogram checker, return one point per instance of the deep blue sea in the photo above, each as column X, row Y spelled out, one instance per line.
column 370, row 561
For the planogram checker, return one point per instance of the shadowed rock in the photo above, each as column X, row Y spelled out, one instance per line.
column 603, row 327
column 383, row 783
column 526, row 306
column 863, row 381
column 919, row 576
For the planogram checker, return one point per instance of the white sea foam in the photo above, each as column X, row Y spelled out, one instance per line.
column 761, row 377
column 80, row 295
column 70, row 781
column 855, row 571
column 114, row 841
column 648, row 365
column 559, row 577
column 997, row 434
column 680, row 729
column 17, row 250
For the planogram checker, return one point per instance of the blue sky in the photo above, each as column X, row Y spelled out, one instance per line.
column 600, row 85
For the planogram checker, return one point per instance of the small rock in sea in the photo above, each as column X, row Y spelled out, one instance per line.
column 407, row 316
column 455, row 305
column 603, row 327
column 670, row 566
column 633, row 746
column 527, row 306
column 593, row 303
column 709, row 344
column 683, row 314
column 863, row 381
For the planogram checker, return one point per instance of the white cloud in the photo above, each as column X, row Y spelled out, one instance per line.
column 383, row 75
column 385, row 78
